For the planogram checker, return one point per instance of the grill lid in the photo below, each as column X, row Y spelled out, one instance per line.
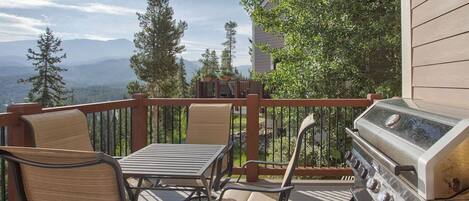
column 433, row 139
column 404, row 119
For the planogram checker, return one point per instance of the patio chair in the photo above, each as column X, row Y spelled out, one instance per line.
column 53, row 174
column 255, row 193
column 209, row 124
column 67, row 129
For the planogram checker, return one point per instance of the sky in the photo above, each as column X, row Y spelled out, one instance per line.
column 116, row 19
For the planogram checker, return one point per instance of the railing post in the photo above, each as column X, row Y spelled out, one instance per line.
column 19, row 135
column 252, row 135
column 217, row 88
column 139, row 122
column 374, row 97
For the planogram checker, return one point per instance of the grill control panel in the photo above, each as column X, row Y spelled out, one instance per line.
column 369, row 174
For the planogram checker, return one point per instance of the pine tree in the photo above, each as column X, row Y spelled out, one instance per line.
column 209, row 62
column 230, row 45
column 182, row 83
column 214, row 65
column 157, row 44
column 48, row 86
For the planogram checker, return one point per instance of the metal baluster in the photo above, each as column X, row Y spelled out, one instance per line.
column 274, row 129
column 164, row 124
column 120, row 132
column 94, row 131
column 114, row 129
column 240, row 135
column 101, row 131
column 313, row 155
column 337, row 113
column 265, row 133
column 187, row 119
column 329, row 136
column 157, row 124
column 126, row 131
column 289, row 132
column 172, row 125
column 281, row 134
column 320, row 135
column 130, row 129
column 108, row 131
column 150, row 122
column 180, row 124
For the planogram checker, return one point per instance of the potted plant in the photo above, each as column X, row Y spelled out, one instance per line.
column 209, row 76
column 226, row 75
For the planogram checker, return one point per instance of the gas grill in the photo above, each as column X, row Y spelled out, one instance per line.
column 410, row 150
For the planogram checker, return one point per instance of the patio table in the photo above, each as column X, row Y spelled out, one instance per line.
column 172, row 161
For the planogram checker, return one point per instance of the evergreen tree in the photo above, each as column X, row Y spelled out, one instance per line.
column 209, row 62
column 182, row 84
column 230, row 45
column 157, row 44
column 214, row 65
column 136, row 87
column 48, row 86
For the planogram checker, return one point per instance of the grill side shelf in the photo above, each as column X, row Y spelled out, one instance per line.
column 378, row 155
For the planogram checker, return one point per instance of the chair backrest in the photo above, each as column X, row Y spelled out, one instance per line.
column 54, row 174
column 209, row 124
column 307, row 123
column 66, row 129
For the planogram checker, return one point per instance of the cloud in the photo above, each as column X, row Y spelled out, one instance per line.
column 85, row 7
column 16, row 27
column 245, row 29
column 68, row 36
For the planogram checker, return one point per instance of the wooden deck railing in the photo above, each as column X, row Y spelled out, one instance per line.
column 261, row 129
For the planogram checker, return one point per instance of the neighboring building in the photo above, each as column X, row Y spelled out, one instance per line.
column 435, row 38
column 261, row 61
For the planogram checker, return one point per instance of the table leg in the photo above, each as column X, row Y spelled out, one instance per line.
column 208, row 187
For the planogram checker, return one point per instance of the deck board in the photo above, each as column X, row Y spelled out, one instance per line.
column 312, row 190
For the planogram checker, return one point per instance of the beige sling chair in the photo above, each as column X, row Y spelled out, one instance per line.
column 209, row 124
column 254, row 193
column 42, row 174
column 67, row 129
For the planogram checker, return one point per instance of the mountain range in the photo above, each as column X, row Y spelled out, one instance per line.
column 90, row 63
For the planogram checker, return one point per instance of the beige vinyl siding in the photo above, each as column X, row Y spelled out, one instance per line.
column 440, row 51
column 415, row 3
column 262, row 61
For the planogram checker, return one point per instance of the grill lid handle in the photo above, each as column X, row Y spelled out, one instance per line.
column 380, row 156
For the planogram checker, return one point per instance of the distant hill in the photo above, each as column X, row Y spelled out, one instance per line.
column 79, row 51
column 97, row 70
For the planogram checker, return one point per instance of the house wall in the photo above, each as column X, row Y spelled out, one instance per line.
column 435, row 35
column 262, row 62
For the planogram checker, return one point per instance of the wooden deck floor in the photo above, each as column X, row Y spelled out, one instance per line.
column 312, row 190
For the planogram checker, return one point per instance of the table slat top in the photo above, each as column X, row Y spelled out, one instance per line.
column 171, row 160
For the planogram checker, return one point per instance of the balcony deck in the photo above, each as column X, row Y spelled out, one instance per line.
column 311, row 190
column 121, row 127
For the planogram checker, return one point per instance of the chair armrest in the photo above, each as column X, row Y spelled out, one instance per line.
column 255, row 189
column 118, row 157
column 256, row 162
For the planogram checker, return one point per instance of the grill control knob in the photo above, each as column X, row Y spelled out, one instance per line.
column 363, row 172
column 373, row 185
column 348, row 155
column 385, row 196
column 356, row 164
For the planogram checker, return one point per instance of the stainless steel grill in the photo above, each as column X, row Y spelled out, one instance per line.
column 410, row 150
